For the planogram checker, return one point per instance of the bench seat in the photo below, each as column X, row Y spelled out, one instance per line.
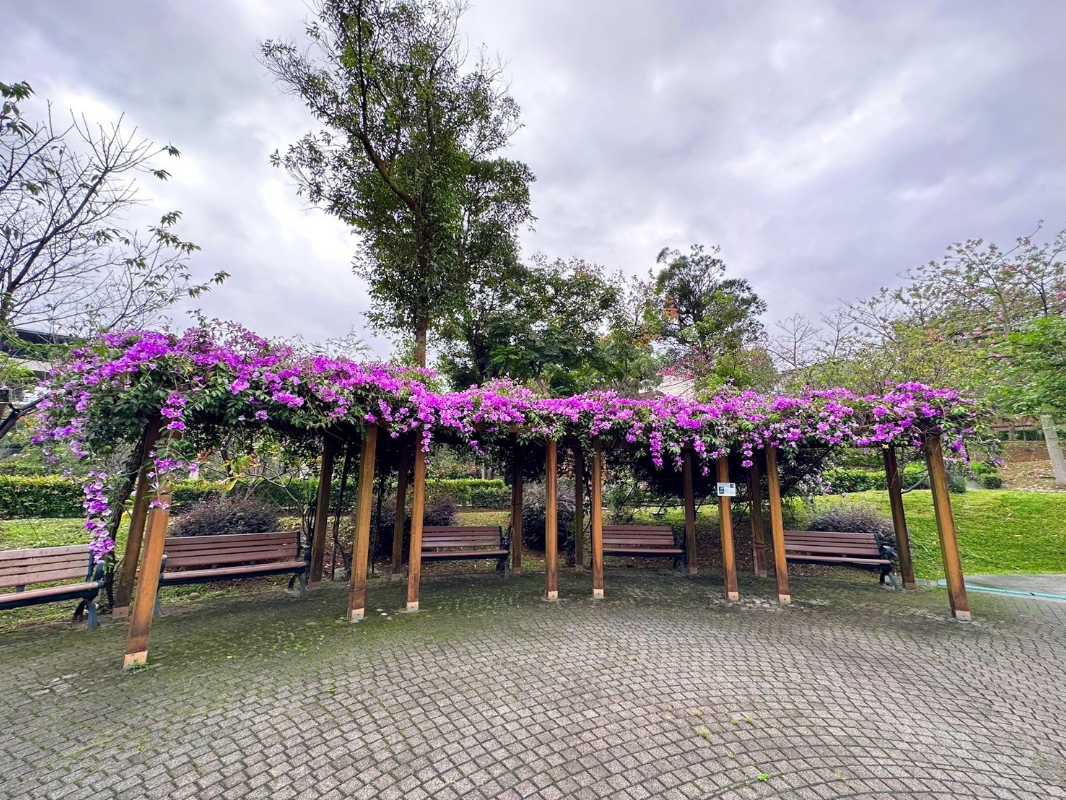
column 840, row 547
column 465, row 543
column 82, row 577
column 221, row 557
column 643, row 541
column 189, row 575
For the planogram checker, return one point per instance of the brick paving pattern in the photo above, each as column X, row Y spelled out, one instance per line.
column 661, row 690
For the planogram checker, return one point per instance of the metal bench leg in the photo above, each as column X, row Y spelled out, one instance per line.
column 501, row 566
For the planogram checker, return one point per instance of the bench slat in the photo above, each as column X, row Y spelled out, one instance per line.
column 41, row 552
column 224, row 572
column 48, row 591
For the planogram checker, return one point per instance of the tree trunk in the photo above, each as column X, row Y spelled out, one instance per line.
column 1054, row 450
column 421, row 335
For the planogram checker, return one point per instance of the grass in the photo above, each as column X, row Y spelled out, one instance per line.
column 1000, row 531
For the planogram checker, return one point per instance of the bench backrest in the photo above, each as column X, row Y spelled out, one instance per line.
column 44, row 565
column 644, row 537
column 832, row 543
column 190, row 552
column 464, row 537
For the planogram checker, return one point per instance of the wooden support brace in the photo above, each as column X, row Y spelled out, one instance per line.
column 418, row 511
column 579, row 506
column 899, row 519
column 361, row 542
column 596, row 502
column 690, row 514
column 516, row 517
column 758, row 528
column 725, row 522
column 401, row 515
column 127, row 572
column 945, row 523
column 551, row 522
column 318, row 536
column 777, row 527
column 148, row 583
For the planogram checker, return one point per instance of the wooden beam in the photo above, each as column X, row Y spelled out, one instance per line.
column 127, row 572
column 899, row 518
column 596, row 501
column 945, row 523
column 758, row 527
column 777, row 527
column 516, row 515
column 318, row 535
column 361, row 541
column 551, row 521
column 148, row 583
column 401, row 514
column 690, row 514
column 725, row 523
column 418, row 511
column 579, row 506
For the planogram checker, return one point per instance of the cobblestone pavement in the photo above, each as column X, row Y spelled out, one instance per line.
column 661, row 690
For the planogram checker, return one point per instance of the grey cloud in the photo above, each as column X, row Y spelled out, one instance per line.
column 827, row 146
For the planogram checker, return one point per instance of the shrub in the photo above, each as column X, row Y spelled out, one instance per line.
column 533, row 518
column 441, row 511
column 857, row 519
column 228, row 515
column 39, row 496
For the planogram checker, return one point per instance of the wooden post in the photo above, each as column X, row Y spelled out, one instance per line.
column 579, row 506
column 945, row 523
column 899, row 518
column 418, row 511
column 325, row 487
column 128, row 568
column 690, row 515
column 148, row 584
column 596, row 501
column 401, row 514
column 725, row 523
column 361, row 542
column 127, row 572
column 777, row 527
column 758, row 529
column 516, row 516
column 551, row 521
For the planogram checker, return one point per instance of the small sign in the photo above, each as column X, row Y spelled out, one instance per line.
column 727, row 490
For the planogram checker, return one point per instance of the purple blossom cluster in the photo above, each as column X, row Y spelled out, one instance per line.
column 224, row 376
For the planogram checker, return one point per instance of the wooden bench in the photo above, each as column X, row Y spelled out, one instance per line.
column 836, row 547
column 202, row 559
column 22, row 568
column 462, row 543
column 643, row 541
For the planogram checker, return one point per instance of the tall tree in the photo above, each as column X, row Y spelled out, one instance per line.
column 409, row 150
column 710, row 323
column 549, row 322
column 68, row 261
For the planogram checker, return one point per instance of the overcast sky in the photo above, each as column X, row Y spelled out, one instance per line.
column 827, row 147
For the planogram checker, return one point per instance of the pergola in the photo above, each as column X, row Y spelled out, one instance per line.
column 175, row 392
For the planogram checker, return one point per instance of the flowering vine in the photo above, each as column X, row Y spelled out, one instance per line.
column 219, row 379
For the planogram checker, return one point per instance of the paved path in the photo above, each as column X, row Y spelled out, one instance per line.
column 662, row 690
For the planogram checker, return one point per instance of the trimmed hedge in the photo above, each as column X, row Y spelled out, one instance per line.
column 56, row 496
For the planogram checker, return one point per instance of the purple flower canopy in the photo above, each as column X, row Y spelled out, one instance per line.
column 212, row 380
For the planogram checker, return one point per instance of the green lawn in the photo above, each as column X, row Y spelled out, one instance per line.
column 1000, row 531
